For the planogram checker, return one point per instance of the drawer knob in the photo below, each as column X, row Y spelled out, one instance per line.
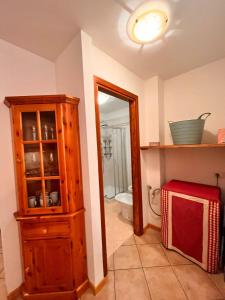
column 27, row 270
column 44, row 231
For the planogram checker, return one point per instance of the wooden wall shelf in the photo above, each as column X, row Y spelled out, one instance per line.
column 183, row 146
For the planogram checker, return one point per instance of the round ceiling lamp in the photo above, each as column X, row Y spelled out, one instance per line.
column 146, row 25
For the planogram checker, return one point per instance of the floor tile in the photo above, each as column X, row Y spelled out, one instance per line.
column 152, row 255
column 111, row 263
column 218, row 280
column 176, row 258
column 107, row 292
column 163, row 284
column 130, row 241
column 127, row 257
column 150, row 236
column 131, row 285
column 196, row 283
column 117, row 229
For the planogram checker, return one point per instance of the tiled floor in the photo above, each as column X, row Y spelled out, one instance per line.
column 142, row 269
column 118, row 230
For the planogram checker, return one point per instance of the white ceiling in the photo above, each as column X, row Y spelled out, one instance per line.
column 113, row 104
column 195, row 36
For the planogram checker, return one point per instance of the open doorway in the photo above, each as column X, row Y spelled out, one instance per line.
column 118, row 149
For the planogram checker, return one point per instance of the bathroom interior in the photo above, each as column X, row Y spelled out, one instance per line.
column 116, row 168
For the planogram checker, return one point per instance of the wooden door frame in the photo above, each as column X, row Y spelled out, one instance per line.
column 109, row 88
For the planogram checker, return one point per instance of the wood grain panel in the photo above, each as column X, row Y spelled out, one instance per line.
column 40, row 99
column 52, row 238
column 73, row 160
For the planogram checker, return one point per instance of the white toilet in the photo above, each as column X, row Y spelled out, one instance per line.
column 126, row 204
column 130, row 188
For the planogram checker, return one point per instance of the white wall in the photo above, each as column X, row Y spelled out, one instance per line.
column 96, row 62
column 70, row 68
column 152, row 161
column 186, row 97
column 150, row 99
column 190, row 94
column 21, row 73
column 107, row 68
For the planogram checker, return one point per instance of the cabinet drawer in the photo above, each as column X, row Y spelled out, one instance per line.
column 33, row 230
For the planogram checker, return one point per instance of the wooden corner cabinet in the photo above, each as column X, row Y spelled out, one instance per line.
column 50, row 200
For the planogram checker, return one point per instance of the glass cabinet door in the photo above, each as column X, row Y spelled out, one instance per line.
column 41, row 165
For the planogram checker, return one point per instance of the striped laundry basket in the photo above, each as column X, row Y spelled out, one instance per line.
column 190, row 221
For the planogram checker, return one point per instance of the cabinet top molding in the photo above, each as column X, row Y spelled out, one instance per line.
column 40, row 99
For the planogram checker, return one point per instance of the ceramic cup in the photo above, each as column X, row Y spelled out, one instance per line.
column 32, row 201
column 41, row 202
column 54, row 197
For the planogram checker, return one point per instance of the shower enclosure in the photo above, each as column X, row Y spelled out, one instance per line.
column 115, row 152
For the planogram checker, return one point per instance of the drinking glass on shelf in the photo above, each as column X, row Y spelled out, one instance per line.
column 34, row 133
column 51, row 157
column 52, row 133
column 45, row 132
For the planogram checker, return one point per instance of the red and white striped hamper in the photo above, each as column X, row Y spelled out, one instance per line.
column 190, row 221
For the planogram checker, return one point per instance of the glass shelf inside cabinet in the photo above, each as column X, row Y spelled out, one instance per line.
column 48, row 130
column 29, row 125
column 32, row 160
column 50, row 159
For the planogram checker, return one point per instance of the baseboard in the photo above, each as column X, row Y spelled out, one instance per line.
column 152, row 226
column 97, row 288
column 67, row 295
column 15, row 294
column 19, row 291
column 82, row 288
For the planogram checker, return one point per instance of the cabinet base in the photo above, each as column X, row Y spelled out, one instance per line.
column 82, row 288
column 67, row 295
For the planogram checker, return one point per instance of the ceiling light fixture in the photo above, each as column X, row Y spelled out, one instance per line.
column 145, row 26
column 102, row 98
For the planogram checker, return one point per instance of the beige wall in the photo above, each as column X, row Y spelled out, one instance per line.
column 70, row 68
column 189, row 95
column 96, row 62
column 21, row 73
column 182, row 97
column 69, row 73
column 186, row 97
column 69, row 80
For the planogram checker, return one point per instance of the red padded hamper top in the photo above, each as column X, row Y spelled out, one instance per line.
column 203, row 191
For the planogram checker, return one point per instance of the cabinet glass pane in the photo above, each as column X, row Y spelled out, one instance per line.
column 48, row 125
column 34, row 193
column 32, row 160
column 50, row 160
column 29, row 124
column 52, row 189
